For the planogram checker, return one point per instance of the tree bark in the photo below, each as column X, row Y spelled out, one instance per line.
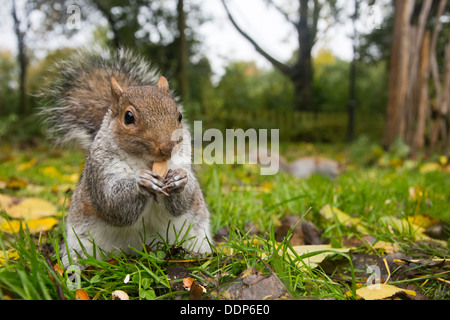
column 415, row 77
column 423, row 99
column 302, row 72
column 398, row 74
column 352, row 80
column 445, row 101
column 442, row 96
column 183, row 59
column 22, row 59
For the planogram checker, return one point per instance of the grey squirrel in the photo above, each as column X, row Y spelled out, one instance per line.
column 303, row 167
column 117, row 107
column 307, row 166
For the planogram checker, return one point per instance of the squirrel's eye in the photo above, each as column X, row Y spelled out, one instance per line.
column 129, row 117
column 180, row 117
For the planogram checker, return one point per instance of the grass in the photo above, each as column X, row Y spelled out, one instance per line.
column 238, row 197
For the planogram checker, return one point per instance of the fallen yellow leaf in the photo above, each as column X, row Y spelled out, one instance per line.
column 30, row 208
column 39, row 225
column 8, row 255
column 406, row 226
column 5, row 202
column 381, row 291
column 51, row 172
column 314, row 260
column 402, row 225
column 26, row 165
column 423, row 220
column 387, row 247
column 332, row 213
column 74, row 177
column 430, row 167
column 35, row 226
column 267, row 187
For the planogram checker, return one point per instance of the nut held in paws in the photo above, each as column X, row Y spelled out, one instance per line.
column 160, row 168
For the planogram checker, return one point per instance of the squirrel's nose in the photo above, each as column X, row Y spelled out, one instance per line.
column 167, row 148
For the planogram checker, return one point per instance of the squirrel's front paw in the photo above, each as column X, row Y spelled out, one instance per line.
column 175, row 181
column 150, row 184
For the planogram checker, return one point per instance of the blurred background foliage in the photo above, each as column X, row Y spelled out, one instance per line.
column 245, row 96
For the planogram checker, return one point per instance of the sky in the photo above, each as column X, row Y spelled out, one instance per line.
column 222, row 42
column 267, row 27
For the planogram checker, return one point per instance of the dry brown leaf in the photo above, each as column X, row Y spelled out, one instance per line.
column 80, row 294
column 16, row 184
column 58, row 269
column 187, row 282
column 251, row 286
column 305, row 233
column 120, row 295
column 196, row 291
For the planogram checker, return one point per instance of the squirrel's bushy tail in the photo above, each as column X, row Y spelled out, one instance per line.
column 77, row 99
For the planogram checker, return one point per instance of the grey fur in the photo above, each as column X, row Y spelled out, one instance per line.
column 112, row 205
column 61, row 113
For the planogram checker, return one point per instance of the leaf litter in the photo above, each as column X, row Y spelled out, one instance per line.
column 398, row 272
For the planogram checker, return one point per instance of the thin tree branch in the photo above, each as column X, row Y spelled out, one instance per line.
column 284, row 13
column 316, row 16
column 282, row 67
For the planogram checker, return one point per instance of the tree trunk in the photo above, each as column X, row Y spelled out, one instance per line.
column 302, row 79
column 445, row 101
column 442, row 94
column 398, row 71
column 183, row 60
column 302, row 75
column 22, row 60
column 300, row 72
column 423, row 102
column 352, row 80
column 416, row 79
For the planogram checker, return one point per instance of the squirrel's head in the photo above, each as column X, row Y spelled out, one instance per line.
column 145, row 118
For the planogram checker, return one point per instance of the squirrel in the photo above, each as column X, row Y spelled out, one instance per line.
column 303, row 167
column 307, row 166
column 118, row 108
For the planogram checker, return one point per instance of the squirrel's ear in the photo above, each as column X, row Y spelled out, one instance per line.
column 163, row 84
column 116, row 90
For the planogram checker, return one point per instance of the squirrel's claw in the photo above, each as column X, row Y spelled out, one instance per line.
column 175, row 181
column 149, row 184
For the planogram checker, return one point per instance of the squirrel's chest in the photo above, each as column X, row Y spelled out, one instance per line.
column 154, row 217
